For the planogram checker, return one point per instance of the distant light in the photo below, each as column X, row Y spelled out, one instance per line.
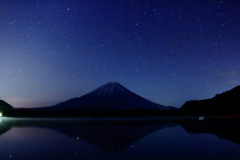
column 1, row 114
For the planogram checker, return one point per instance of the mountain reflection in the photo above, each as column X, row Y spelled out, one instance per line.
column 4, row 127
column 109, row 136
column 225, row 128
column 114, row 136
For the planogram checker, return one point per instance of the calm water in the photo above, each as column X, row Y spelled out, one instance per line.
column 87, row 139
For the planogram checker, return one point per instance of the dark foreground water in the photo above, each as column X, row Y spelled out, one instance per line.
column 68, row 139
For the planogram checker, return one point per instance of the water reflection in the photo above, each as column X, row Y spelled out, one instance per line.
column 110, row 136
column 115, row 136
column 4, row 127
column 224, row 128
column 114, row 139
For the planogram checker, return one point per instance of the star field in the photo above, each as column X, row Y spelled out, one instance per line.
column 165, row 51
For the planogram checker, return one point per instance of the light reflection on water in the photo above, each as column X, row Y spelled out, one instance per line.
column 121, row 139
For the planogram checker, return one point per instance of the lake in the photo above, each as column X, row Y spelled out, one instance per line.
column 168, row 139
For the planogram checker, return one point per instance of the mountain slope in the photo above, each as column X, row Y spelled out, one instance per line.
column 226, row 102
column 111, row 96
column 4, row 106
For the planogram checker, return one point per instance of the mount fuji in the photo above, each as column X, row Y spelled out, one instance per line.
column 111, row 96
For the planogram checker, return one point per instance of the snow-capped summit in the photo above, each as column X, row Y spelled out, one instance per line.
column 111, row 96
column 111, row 88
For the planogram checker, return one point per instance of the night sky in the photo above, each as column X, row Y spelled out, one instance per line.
column 166, row 51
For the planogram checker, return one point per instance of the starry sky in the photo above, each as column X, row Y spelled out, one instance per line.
column 165, row 51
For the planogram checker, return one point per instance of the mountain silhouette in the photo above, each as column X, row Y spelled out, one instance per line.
column 225, row 103
column 4, row 106
column 111, row 96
